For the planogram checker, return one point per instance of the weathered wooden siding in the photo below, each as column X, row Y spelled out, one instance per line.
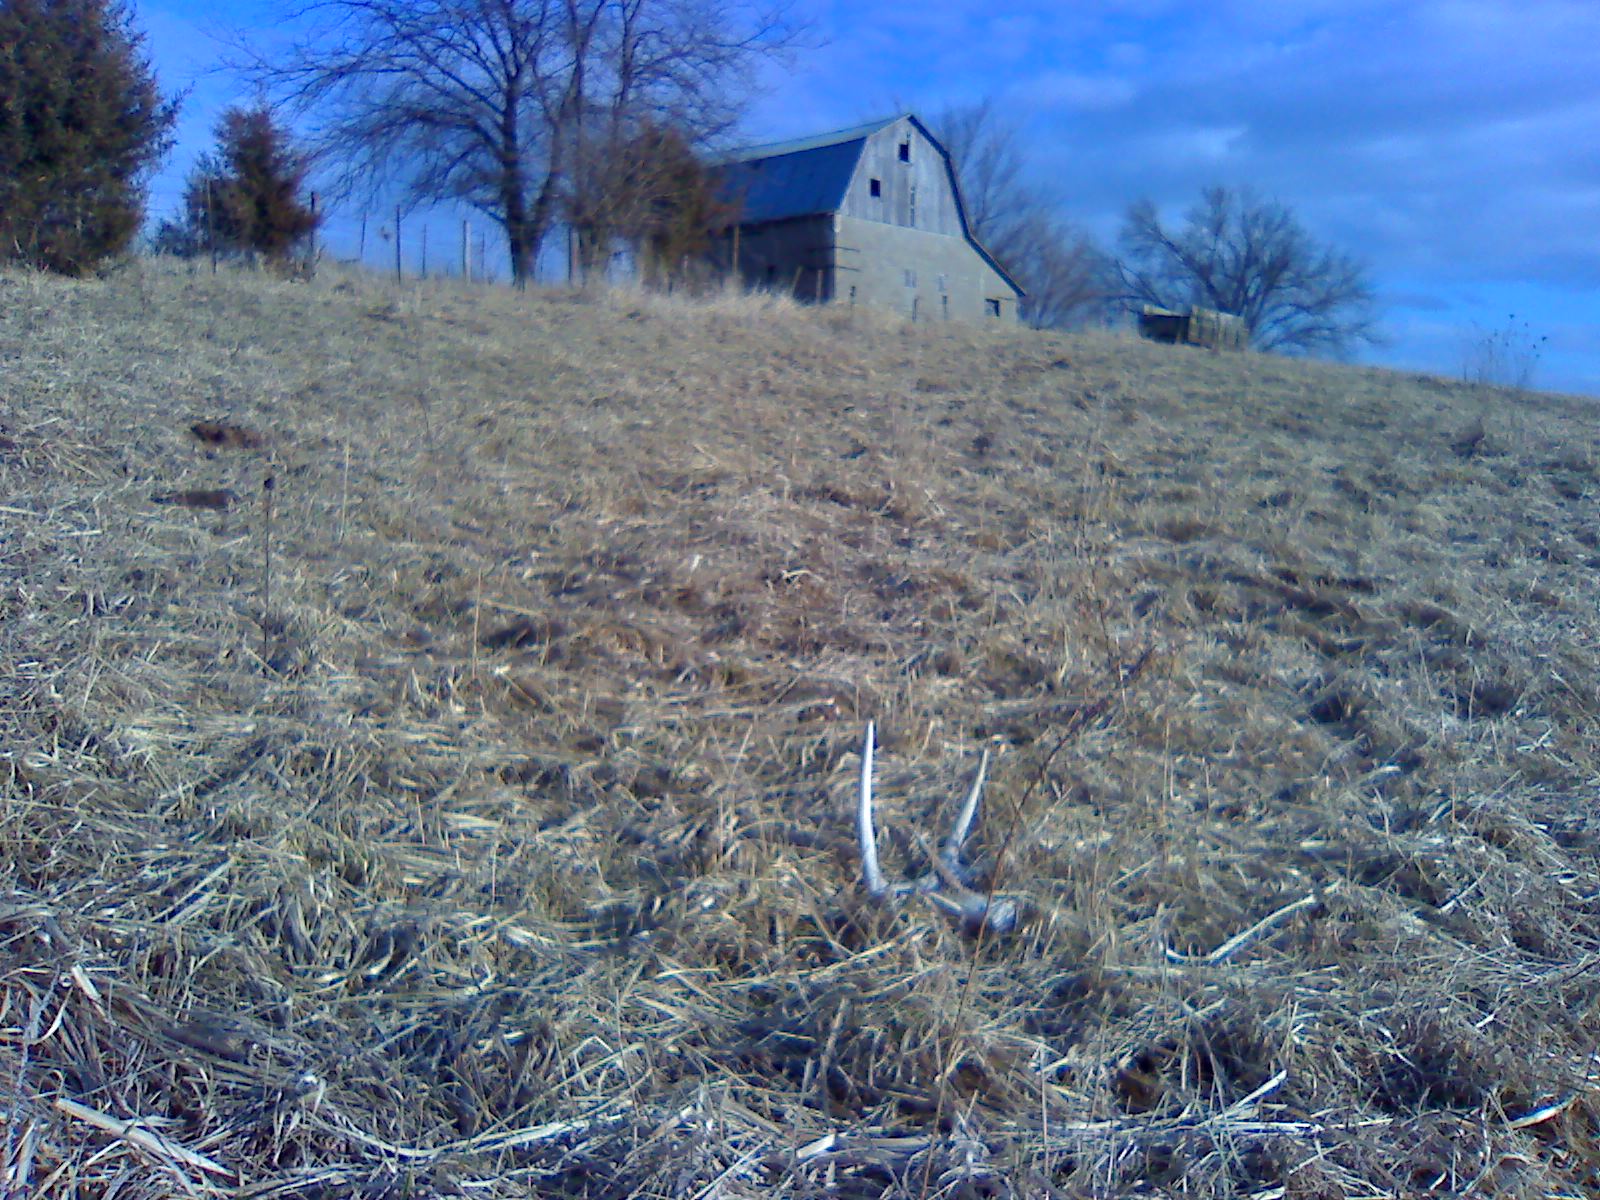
column 914, row 194
column 1196, row 326
column 795, row 256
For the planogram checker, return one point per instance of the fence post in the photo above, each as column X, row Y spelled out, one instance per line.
column 211, row 229
column 361, row 250
column 424, row 251
column 466, row 251
column 399, row 275
column 311, row 248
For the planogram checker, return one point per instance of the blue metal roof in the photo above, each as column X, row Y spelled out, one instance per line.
column 855, row 133
column 797, row 178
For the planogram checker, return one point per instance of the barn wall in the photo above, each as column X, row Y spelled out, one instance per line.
column 784, row 256
column 932, row 276
column 914, row 195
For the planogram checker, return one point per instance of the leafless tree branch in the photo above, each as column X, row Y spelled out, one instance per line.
column 1244, row 255
column 513, row 106
column 1068, row 279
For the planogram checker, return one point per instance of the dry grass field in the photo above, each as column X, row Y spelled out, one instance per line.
column 470, row 813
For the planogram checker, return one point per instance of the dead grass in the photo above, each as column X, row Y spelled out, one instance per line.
column 505, row 848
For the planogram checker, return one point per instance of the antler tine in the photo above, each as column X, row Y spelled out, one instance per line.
column 866, row 833
column 950, row 852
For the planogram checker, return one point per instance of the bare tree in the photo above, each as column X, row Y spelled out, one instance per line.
column 1067, row 278
column 512, row 105
column 1244, row 255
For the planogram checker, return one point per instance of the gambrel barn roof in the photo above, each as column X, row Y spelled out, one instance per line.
column 806, row 177
column 799, row 178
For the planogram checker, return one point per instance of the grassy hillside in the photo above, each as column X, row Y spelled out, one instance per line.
column 471, row 813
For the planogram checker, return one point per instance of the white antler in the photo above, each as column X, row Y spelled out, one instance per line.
column 948, row 886
column 950, row 852
column 866, row 833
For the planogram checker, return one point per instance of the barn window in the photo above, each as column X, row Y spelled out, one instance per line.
column 905, row 150
column 876, row 187
column 944, row 283
column 911, row 278
column 991, row 308
column 912, row 205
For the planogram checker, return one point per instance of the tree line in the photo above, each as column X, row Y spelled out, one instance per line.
column 591, row 116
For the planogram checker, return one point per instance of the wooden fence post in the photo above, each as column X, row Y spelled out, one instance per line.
column 211, row 228
column 311, row 247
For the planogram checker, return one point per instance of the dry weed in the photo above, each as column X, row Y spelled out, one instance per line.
column 505, row 846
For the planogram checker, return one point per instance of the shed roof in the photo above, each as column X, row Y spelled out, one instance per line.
column 797, row 178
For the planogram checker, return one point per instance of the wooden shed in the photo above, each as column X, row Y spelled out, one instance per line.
column 871, row 215
column 1194, row 326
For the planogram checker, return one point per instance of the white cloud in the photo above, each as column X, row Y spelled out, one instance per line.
column 1203, row 146
column 1077, row 92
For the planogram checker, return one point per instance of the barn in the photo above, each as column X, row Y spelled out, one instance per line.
column 870, row 216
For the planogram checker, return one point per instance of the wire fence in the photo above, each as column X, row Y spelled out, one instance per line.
column 444, row 241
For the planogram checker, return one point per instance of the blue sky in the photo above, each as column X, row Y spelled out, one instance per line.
column 1454, row 144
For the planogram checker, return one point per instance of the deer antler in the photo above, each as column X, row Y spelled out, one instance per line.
column 948, row 886
column 950, row 852
column 866, row 833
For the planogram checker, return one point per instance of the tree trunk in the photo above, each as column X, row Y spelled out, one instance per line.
column 521, row 240
column 594, row 252
column 524, row 231
column 537, row 224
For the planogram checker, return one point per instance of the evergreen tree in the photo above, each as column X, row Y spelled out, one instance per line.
column 681, row 208
column 647, row 188
column 81, row 127
column 246, row 196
